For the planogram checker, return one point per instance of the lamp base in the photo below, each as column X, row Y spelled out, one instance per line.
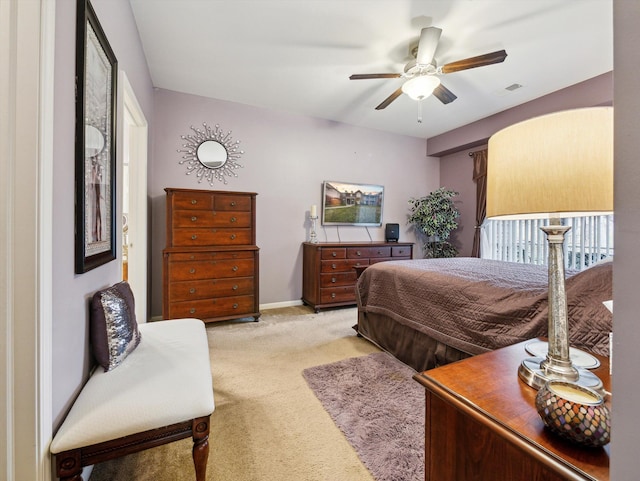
column 532, row 373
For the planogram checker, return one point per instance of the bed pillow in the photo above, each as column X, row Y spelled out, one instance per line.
column 113, row 328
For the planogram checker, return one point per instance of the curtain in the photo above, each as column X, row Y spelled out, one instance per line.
column 480, row 178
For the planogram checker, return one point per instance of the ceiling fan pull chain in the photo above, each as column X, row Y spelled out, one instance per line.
column 420, row 111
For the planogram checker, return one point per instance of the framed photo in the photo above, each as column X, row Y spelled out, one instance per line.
column 95, row 156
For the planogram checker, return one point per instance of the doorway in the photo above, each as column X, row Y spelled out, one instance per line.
column 134, row 198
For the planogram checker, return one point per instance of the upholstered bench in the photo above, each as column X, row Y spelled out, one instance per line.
column 161, row 392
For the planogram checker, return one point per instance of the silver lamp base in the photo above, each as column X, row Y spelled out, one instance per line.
column 532, row 372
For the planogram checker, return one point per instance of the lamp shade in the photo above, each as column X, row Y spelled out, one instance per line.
column 552, row 166
column 420, row 87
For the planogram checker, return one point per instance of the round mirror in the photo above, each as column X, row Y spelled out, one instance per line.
column 93, row 141
column 212, row 154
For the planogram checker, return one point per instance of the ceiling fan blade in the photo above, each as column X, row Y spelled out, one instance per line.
column 361, row 76
column 429, row 38
column 444, row 95
column 385, row 103
column 473, row 62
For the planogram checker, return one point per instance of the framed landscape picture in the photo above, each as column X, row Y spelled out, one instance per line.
column 95, row 155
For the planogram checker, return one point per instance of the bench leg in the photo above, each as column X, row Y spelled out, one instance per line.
column 201, row 446
column 68, row 466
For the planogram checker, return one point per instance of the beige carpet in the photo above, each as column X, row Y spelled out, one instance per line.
column 268, row 425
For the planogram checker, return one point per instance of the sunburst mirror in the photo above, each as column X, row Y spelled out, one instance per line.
column 210, row 154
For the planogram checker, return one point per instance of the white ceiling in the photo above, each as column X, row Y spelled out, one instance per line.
column 297, row 55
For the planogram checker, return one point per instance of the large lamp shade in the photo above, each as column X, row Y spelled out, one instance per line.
column 557, row 165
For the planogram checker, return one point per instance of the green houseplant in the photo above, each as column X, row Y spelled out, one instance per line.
column 434, row 217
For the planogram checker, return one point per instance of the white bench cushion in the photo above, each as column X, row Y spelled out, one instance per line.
column 165, row 380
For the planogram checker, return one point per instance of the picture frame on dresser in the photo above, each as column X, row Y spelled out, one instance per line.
column 95, row 153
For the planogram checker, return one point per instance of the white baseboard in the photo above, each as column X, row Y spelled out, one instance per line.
column 276, row 305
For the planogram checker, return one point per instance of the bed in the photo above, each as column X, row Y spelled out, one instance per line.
column 429, row 312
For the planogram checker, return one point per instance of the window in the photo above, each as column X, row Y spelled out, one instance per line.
column 589, row 240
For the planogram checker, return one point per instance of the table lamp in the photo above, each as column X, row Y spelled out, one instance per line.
column 554, row 166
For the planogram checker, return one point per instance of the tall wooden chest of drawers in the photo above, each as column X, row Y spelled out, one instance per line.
column 329, row 269
column 210, row 265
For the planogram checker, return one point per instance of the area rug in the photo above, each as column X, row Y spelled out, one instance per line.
column 379, row 408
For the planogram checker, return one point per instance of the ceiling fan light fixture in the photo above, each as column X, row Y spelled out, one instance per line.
column 420, row 87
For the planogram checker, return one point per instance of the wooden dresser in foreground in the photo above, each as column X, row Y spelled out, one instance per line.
column 482, row 425
column 210, row 265
column 329, row 268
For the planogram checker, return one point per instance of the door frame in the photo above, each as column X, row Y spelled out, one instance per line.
column 27, row 53
column 135, row 133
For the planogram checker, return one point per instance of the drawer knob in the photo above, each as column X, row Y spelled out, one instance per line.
column 233, row 219
column 192, row 257
column 192, row 271
column 194, row 218
column 379, row 252
column 235, row 288
column 234, row 268
column 334, row 254
column 233, row 236
column 194, row 237
column 333, row 266
column 333, row 295
column 233, row 203
column 194, row 202
column 358, row 253
column 192, row 311
column 333, row 280
column 235, row 306
column 192, row 291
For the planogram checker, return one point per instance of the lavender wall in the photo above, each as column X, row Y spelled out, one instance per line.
column 456, row 173
column 71, row 292
column 625, row 436
column 285, row 161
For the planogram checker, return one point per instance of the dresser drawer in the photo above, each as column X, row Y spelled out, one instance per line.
column 232, row 203
column 192, row 200
column 210, row 255
column 191, row 290
column 337, row 294
column 211, row 237
column 338, row 279
column 381, row 259
column 219, row 307
column 367, row 252
column 192, row 270
column 208, row 218
column 345, row 265
column 401, row 251
column 339, row 253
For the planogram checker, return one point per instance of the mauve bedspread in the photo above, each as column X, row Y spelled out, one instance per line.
column 477, row 305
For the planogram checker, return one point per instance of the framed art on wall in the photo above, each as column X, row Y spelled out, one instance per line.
column 95, row 155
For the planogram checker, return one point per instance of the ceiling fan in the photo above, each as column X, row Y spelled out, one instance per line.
column 422, row 73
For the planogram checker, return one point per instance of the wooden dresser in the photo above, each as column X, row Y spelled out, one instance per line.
column 210, row 266
column 482, row 425
column 329, row 269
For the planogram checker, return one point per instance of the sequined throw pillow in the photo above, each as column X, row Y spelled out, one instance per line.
column 113, row 328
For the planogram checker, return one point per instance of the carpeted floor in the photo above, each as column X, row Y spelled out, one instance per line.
column 268, row 425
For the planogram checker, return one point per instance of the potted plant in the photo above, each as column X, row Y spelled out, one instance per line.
column 434, row 217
